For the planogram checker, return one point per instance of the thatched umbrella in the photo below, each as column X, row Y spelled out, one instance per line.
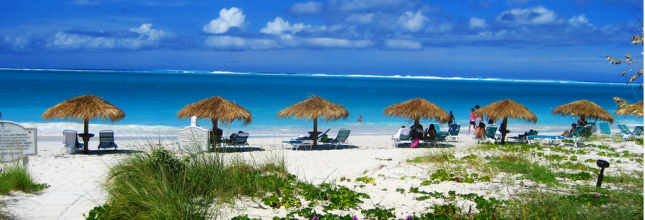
column 506, row 109
column 584, row 109
column 217, row 109
column 86, row 108
column 417, row 109
column 314, row 108
column 633, row 109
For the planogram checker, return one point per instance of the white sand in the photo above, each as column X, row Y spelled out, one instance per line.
column 76, row 180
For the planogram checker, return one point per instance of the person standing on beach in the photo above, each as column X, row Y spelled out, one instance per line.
column 452, row 119
column 473, row 116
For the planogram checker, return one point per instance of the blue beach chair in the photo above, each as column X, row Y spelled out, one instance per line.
column 341, row 138
column 489, row 135
column 637, row 133
column 576, row 136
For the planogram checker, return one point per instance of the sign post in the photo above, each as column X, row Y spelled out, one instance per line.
column 17, row 141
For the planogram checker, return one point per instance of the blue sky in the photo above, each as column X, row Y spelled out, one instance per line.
column 522, row 39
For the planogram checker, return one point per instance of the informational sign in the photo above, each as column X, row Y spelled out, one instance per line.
column 194, row 137
column 16, row 141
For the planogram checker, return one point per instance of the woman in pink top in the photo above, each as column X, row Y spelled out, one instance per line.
column 473, row 116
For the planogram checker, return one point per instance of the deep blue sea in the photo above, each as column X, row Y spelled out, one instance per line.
column 151, row 99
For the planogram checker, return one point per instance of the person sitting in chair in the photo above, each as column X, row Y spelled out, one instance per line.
column 397, row 136
column 573, row 128
column 431, row 133
column 479, row 133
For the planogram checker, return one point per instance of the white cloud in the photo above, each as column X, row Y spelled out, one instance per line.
column 412, row 21
column 283, row 41
column 361, row 19
column 145, row 30
column 477, row 23
column 19, row 43
column 337, row 43
column 579, row 20
column 227, row 19
column 537, row 15
column 279, row 25
column 306, row 8
column 237, row 43
column 444, row 27
column 396, row 44
column 148, row 38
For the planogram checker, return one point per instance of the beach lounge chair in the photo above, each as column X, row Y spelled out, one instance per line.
column 489, row 135
column 604, row 130
column 106, row 140
column 453, row 133
column 523, row 138
column 240, row 139
column 341, row 138
column 441, row 136
column 576, row 136
column 320, row 137
column 70, row 141
column 403, row 139
column 637, row 133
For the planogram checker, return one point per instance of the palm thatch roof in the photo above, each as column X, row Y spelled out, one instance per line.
column 217, row 108
column 507, row 109
column 633, row 109
column 584, row 109
column 416, row 109
column 314, row 108
column 85, row 108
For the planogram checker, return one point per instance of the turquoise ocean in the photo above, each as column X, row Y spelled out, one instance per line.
column 151, row 99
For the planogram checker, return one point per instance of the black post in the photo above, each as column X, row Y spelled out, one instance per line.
column 315, row 134
column 602, row 164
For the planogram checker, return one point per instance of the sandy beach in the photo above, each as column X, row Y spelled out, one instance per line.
column 76, row 180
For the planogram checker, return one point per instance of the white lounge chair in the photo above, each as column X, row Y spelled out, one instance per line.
column 404, row 138
column 70, row 141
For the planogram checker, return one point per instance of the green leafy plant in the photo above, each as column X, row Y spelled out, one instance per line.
column 365, row 179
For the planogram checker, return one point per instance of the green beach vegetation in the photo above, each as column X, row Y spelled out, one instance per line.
column 548, row 183
column 14, row 176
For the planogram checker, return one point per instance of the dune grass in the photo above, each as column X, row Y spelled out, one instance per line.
column 584, row 202
column 14, row 177
column 159, row 184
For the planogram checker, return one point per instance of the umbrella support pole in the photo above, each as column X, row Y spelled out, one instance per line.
column 315, row 134
column 216, row 135
column 503, row 128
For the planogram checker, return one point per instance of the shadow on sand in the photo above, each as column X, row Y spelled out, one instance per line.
column 237, row 149
column 428, row 145
column 108, row 152
column 322, row 147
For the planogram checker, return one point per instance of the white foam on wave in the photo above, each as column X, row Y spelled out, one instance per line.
column 56, row 129
column 329, row 75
